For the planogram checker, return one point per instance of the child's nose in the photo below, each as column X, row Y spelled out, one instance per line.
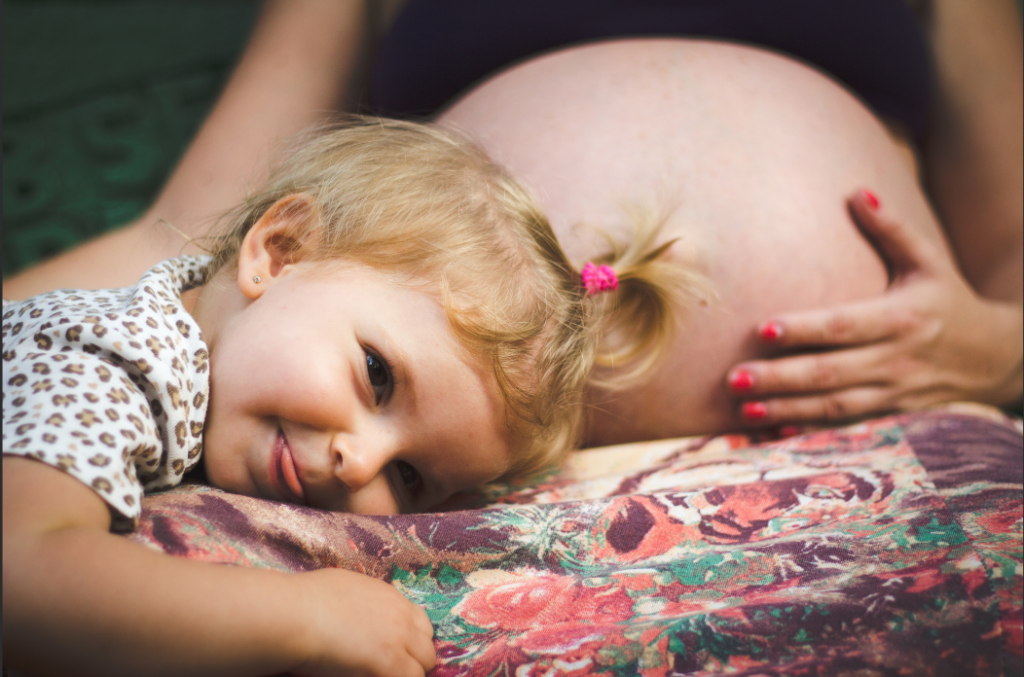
column 358, row 461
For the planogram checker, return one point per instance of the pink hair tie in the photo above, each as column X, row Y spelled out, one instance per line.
column 599, row 278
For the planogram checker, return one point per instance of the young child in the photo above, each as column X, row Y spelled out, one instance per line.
column 388, row 321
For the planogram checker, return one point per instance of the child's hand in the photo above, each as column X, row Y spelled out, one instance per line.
column 357, row 625
column 928, row 339
column 70, row 583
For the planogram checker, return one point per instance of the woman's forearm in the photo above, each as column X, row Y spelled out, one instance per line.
column 975, row 154
column 295, row 71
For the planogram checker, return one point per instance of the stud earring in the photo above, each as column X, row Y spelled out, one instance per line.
column 257, row 279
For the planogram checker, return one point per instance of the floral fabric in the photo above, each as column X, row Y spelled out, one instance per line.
column 890, row 547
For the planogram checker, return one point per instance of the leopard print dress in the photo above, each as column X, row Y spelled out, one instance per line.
column 110, row 386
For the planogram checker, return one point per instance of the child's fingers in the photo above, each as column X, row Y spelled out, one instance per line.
column 814, row 373
column 419, row 639
column 413, row 667
column 422, row 648
column 423, row 624
column 835, row 406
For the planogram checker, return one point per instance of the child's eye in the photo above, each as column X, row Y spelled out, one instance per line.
column 410, row 478
column 379, row 372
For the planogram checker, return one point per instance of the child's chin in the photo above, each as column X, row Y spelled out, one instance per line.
column 237, row 482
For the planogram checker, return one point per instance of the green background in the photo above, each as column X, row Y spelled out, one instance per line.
column 99, row 102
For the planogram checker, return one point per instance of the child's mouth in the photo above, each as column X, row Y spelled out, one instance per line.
column 283, row 472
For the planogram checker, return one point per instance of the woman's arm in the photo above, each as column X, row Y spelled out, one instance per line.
column 295, row 71
column 974, row 158
column 115, row 607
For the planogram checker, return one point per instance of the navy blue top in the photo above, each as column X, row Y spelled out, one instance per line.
column 438, row 49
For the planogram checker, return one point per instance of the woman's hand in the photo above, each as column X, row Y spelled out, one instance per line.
column 357, row 625
column 929, row 339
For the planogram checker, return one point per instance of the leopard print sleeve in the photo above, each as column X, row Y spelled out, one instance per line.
column 109, row 386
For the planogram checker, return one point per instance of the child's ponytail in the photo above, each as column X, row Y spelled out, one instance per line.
column 610, row 324
column 632, row 319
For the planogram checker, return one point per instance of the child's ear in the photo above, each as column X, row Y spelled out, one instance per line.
column 277, row 240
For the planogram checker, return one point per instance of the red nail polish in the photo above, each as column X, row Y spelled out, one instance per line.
column 871, row 198
column 741, row 380
column 754, row 410
column 771, row 331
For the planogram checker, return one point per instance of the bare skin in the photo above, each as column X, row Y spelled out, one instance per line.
column 767, row 216
column 113, row 606
column 755, row 155
column 69, row 582
column 296, row 71
column 892, row 353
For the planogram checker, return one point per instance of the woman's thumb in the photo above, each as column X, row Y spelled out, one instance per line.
column 902, row 248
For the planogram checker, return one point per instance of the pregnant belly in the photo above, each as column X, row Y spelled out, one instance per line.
column 751, row 157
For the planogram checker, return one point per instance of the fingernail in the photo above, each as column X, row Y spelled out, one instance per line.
column 770, row 331
column 754, row 410
column 741, row 380
column 871, row 199
column 789, row 431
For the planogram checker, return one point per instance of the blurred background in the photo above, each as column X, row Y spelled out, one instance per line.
column 100, row 98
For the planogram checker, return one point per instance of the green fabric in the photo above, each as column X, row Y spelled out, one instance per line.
column 99, row 102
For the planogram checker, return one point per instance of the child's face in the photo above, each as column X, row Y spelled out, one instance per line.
column 341, row 389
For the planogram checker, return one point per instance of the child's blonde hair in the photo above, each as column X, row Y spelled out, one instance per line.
column 422, row 202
